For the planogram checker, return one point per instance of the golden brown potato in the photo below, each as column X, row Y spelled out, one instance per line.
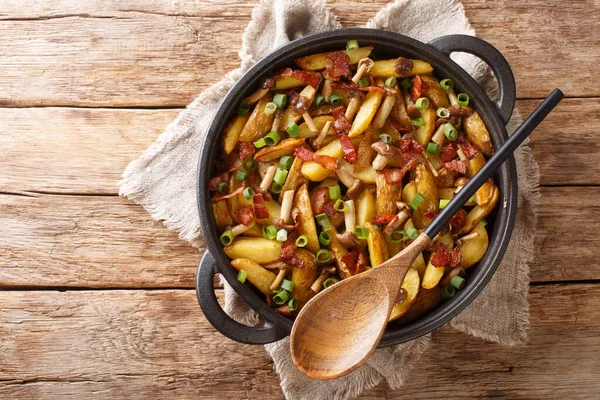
column 236, row 202
column 258, row 249
column 433, row 274
column 290, row 115
column 424, row 133
column 446, row 178
column 411, row 284
column 365, row 207
column 287, row 82
column 485, row 192
column 274, row 209
column 222, row 216
column 303, row 278
column 426, row 301
column 319, row 61
column 478, row 213
column 434, row 92
column 419, row 264
column 378, row 251
column 314, row 171
column 254, row 231
column 387, row 195
column 319, row 121
column 399, row 112
column 259, row 123
column 365, row 114
column 232, row 133
column 283, row 148
column 294, row 177
column 260, row 277
column 409, row 191
column 338, row 251
column 307, row 220
column 478, row 134
column 474, row 249
column 425, row 184
column 400, row 68
column 367, row 175
column 365, row 153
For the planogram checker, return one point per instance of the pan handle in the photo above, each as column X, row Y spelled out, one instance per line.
column 490, row 55
column 222, row 322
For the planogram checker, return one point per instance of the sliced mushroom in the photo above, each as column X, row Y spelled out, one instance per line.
column 403, row 215
column 318, row 284
column 384, row 110
column 310, row 123
column 277, row 121
column 345, row 176
column 241, row 228
column 429, row 164
column 438, row 136
column 355, row 190
column 318, row 142
column 364, row 65
column 350, row 216
column 326, row 90
column 350, row 241
column 286, row 206
column 385, row 154
column 280, row 277
column 462, row 240
column 353, row 107
column 268, row 178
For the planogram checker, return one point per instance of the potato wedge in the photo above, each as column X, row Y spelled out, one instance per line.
column 222, row 216
column 446, row 193
column 399, row 112
column 433, row 274
column 232, row 133
column 385, row 68
column 260, row 277
column 315, row 172
column 338, row 251
column 446, row 178
column 424, row 133
column 365, row 153
column 485, row 192
column 294, row 177
column 303, row 278
column 258, row 123
column 478, row 212
column 307, row 220
column 474, row 249
column 319, row 61
column 274, row 209
column 419, row 264
column 236, row 202
column 378, row 250
column 478, row 134
column 319, row 123
column 367, row 175
column 411, row 284
column 283, row 148
column 409, row 191
column 426, row 300
column 387, row 194
column 425, row 183
column 434, row 92
column 366, row 113
column 290, row 115
column 287, row 82
column 254, row 231
column 258, row 249
column 365, row 207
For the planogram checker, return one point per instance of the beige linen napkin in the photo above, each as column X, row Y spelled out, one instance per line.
column 163, row 180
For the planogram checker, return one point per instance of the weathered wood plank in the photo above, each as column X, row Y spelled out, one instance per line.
column 77, row 150
column 88, row 241
column 139, row 344
column 107, row 53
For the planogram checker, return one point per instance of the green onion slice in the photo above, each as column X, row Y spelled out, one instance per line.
column 417, row 122
column 293, row 130
column 397, row 236
column 282, row 235
column 462, row 99
column 323, row 220
column 281, row 297
column 293, row 304
column 442, row 112
column 287, row 285
column 352, row 44
column 432, row 148
column 458, row 282
column 324, row 238
column 447, row 84
column 340, row 205
column 286, row 162
column 483, row 222
column 335, row 192
column 323, row 256
column 422, row 103
column 319, row 100
column 272, row 138
column 443, row 203
column 280, row 176
column 450, row 131
column 328, row 282
column 406, row 83
column 241, row 175
column 275, row 188
column 361, row 232
column 269, row 232
column 270, row 108
column 280, row 100
column 243, row 108
column 302, row 241
column 335, row 100
column 363, row 82
column 260, row 143
column 416, row 201
column 248, row 193
column 249, row 164
column 412, row 232
column 390, row 81
column 223, row 188
column 385, row 138
column 242, row 275
column 448, row 292
column 471, row 200
column 227, row 238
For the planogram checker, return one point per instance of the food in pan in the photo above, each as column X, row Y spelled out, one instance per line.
column 336, row 164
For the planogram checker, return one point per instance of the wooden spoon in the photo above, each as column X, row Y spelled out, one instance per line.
column 339, row 329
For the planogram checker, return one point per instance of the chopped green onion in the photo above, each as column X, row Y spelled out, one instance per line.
column 227, row 238
column 270, row 108
column 269, row 232
column 442, row 112
column 324, row 238
column 242, row 275
column 483, row 222
column 398, row 235
column 432, row 148
column 462, row 99
column 341, row 205
column 302, row 241
column 293, row 304
column 417, row 122
column 281, row 297
column 422, row 103
column 243, row 108
column 412, row 233
column 335, row 100
column 319, row 100
column 241, row 175
column 282, row 235
column 293, row 130
column 275, row 188
column 260, row 143
column 328, row 282
column 448, row 292
column 458, row 282
column 323, row 220
column 450, row 131
column 416, row 201
column 443, row 203
column 280, row 176
column 287, row 285
column 249, row 164
column 286, row 162
column 363, row 82
column 248, row 193
column 352, row 44
column 280, row 100
column 323, row 256
column 361, row 232
column 272, row 138
column 335, row 192
column 390, row 81
column 406, row 83
column 471, row 199
column 223, row 188
column 447, row 84
column 385, row 138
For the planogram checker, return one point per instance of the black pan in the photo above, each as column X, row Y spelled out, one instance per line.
column 387, row 45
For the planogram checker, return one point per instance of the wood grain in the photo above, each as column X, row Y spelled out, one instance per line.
column 153, row 53
column 89, row 241
column 156, row 344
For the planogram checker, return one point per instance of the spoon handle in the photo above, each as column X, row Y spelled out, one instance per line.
column 493, row 163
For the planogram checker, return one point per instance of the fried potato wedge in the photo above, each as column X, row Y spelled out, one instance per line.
column 287, row 82
column 419, row 264
column 365, row 153
column 303, row 278
column 366, row 112
column 385, row 68
column 338, row 251
column 426, row 300
column 378, row 250
column 411, row 284
column 433, row 274
column 367, row 175
column 222, row 216
column 434, row 92
column 399, row 112
column 478, row 134
column 254, row 231
column 274, row 209
column 259, row 276
column 236, row 202
column 232, row 133
column 424, row 133
column 258, row 249
column 307, row 220
column 365, row 207
column 314, row 171
column 409, row 191
column 474, row 249
column 290, row 115
column 478, row 213
column 283, row 148
column 387, row 194
column 320, row 122
column 294, row 177
column 425, row 184
column 485, row 192
column 319, row 61
column 258, row 123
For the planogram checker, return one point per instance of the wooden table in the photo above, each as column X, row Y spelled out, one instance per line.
column 97, row 300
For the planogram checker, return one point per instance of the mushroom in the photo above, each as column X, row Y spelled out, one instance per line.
column 355, row 190
column 439, row 137
column 384, row 110
column 241, row 228
column 401, row 296
column 280, row 276
column 402, row 216
column 459, row 183
column 462, row 240
column 459, row 271
column 350, row 241
column 268, row 178
column 452, row 97
column 430, row 164
column 318, row 283
column 410, row 105
column 353, row 106
column 364, row 65
column 281, row 224
column 267, row 85
column 277, row 120
column 385, row 154
column 461, row 154
column 350, row 216
column 286, row 206
column 326, row 90
column 318, row 142
column 310, row 123
column 345, row 176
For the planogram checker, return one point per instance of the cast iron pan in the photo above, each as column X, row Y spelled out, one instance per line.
column 387, row 45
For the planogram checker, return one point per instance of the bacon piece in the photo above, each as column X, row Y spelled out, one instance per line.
column 448, row 152
column 403, row 66
column 310, row 78
column 459, row 166
column 288, row 248
column 459, row 219
column 284, row 310
column 340, row 124
column 270, row 301
column 410, row 145
column 469, row 150
column 393, row 175
column 260, row 210
column 229, row 195
column 456, row 257
column 245, row 214
column 417, row 87
column 295, row 261
column 410, row 161
column 319, row 199
column 326, row 162
column 348, row 148
column 363, row 261
column 383, row 219
column 286, row 72
column 329, row 210
column 304, row 154
column 441, row 257
column 246, row 149
column 430, row 214
column 213, row 183
column 351, row 260
column 398, row 126
column 293, row 97
column 338, row 65
column 352, row 86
